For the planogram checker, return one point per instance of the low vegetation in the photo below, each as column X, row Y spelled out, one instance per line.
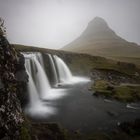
column 125, row 93
column 135, row 60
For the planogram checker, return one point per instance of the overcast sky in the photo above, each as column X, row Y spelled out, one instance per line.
column 55, row 23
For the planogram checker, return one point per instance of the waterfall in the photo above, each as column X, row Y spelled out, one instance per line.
column 36, row 73
column 42, row 80
column 34, row 98
column 31, row 85
column 35, row 103
column 36, row 85
column 63, row 70
column 40, row 59
column 36, row 107
column 39, row 89
column 56, row 79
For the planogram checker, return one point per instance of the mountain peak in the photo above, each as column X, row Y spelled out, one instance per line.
column 98, row 21
column 98, row 27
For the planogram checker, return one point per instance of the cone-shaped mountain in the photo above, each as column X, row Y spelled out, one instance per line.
column 99, row 39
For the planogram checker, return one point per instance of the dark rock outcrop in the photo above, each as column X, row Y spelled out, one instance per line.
column 11, row 86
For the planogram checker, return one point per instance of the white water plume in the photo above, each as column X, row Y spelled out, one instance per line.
column 65, row 74
column 42, row 80
column 36, row 106
column 63, row 70
column 55, row 75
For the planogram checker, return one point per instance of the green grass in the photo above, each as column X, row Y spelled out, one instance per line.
column 102, row 88
column 25, row 130
column 87, row 64
column 135, row 60
column 127, row 93
column 121, row 93
column 101, row 84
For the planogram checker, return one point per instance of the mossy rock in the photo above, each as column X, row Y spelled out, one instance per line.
column 127, row 93
column 24, row 135
column 102, row 87
column 101, row 84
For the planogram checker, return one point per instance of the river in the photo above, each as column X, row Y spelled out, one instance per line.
column 75, row 108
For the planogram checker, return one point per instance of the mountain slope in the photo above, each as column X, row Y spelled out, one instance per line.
column 99, row 39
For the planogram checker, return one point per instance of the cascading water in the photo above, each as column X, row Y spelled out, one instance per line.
column 36, row 106
column 32, row 89
column 34, row 101
column 40, row 59
column 63, row 70
column 38, row 73
column 31, row 85
column 42, row 80
column 65, row 75
column 40, row 92
column 55, row 75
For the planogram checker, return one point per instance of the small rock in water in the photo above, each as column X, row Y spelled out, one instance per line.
column 90, row 89
column 59, row 85
column 118, row 123
column 133, row 106
column 107, row 100
column 95, row 94
column 111, row 113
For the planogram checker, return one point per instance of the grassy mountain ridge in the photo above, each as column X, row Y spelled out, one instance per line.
column 84, row 63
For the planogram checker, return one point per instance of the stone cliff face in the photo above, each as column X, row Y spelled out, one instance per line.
column 11, row 86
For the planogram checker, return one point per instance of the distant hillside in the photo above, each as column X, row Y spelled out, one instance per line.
column 99, row 39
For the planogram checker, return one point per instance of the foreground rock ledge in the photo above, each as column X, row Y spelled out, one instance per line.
column 12, row 122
